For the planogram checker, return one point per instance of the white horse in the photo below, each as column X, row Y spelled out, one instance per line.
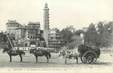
column 69, row 54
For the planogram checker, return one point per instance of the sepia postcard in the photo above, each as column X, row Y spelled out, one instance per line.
column 53, row 36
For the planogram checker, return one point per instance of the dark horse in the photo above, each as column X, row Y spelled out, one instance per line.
column 40, row 52
column 8, row 48
column 11, row 53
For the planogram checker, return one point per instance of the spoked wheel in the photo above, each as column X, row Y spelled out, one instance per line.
column 89, row 57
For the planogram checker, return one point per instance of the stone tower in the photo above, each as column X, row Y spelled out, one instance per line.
column 46, row 23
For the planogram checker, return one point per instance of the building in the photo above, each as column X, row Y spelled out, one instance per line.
column 46, row 23
column 55, row 39
column 25, row 35
column 51, row 36
column 32, row 30
column 12, row 28
column 32, row 34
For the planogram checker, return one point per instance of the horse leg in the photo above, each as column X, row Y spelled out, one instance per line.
column 20, row 58
column 77, row 60
column 47, row 59
column 36, row 58
column 65, row 60
column 10, row 58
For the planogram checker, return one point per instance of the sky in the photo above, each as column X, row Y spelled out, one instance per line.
column 63, row 13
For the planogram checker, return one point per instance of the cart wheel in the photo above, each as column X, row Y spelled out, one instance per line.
column 89, row 57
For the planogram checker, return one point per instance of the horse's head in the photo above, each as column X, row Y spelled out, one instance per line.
column 32, row 51
column 3, row 37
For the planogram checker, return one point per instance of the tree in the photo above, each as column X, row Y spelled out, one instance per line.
column 100, row 27
column 67, row 34
column 91, row 35
column 105, row 33
column 78, row 32
column 108, row 33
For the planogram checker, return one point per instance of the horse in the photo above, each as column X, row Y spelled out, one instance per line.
column 8, row 48
column 40, row 52
column 67, row 54
column 12, row 52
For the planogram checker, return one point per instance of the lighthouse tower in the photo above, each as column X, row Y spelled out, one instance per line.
column 46, row 23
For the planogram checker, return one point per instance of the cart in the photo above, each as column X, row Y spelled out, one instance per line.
column 88, row 54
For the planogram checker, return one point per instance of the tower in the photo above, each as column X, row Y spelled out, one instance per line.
column 46, row 23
